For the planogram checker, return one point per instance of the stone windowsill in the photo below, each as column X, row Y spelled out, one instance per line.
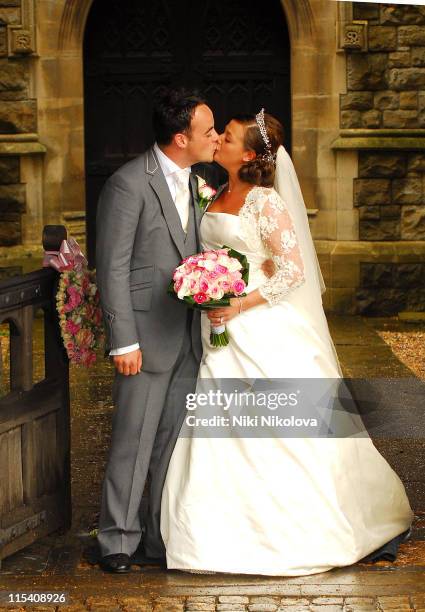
column 380, row 139
column 21, row 144
column 368, row 251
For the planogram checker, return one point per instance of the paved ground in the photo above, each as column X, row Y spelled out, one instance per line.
column 56, row 563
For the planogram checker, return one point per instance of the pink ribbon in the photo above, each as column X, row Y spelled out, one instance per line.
column 69, row 257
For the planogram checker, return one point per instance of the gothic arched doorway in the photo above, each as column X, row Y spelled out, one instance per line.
column 236, row 52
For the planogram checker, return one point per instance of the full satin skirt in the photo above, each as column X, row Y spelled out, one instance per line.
column 277, row 506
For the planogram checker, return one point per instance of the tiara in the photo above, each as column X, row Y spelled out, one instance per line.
column 259, row 118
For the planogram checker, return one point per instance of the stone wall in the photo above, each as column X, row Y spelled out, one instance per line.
column 12, row 201
column 18, row 116
column 386, row 94
column 386, row 85
column 390, row 197
column 389, row 288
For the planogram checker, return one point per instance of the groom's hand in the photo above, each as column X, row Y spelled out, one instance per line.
column 129, row 363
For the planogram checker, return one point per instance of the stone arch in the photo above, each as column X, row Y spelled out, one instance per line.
column 299, row 16
column 298, row 13
column 73, row 22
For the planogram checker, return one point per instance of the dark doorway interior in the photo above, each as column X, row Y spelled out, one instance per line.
column 236, row 52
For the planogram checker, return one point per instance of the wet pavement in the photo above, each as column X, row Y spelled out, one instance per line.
column 59, row 562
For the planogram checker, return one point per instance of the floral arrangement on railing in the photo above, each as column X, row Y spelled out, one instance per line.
column 77, row 303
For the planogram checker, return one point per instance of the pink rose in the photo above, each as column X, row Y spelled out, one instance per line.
column 206, row 191
column 74, row 298
column 193, row 260
column 216, row 292
column 238, row 287
column 200, row 297
column 72, row 327
column 219, row 269
column 203, row 285
column 187, row 269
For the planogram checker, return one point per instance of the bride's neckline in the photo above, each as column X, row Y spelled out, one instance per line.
column 239, row 211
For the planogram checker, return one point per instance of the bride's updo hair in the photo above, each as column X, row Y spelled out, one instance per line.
column 260, row 171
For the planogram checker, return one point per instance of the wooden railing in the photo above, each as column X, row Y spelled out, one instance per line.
column 35, row 483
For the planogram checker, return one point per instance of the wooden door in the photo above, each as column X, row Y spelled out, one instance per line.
column 235, row 51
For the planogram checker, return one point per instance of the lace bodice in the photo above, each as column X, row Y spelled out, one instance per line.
column 267, row 225
column 262, row 230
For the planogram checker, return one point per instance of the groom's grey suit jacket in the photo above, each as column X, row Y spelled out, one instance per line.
column 139, row 243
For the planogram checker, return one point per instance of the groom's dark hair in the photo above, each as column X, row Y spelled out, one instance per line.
column 173, row 112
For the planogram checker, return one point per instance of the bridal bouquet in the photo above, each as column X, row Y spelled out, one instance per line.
column 209, row 280
column 77, row 303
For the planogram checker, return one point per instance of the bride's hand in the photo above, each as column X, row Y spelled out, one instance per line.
column 220, row 316
column 268, row 267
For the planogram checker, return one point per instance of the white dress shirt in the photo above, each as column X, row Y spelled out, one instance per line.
column 168, row 167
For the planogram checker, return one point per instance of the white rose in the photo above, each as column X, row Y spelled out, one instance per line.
column 201, row 182
column 184, row 289
column 206, row 192
column 209, row 265
column 234, row 265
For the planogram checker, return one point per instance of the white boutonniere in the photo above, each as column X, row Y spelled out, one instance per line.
column 206, row 193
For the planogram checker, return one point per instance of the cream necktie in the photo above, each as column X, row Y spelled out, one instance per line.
column 182, row 199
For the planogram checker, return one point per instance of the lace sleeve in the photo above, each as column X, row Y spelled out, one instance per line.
column 279, row 238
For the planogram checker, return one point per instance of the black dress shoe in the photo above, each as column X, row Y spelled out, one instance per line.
column 139, row 558
column 118, row 563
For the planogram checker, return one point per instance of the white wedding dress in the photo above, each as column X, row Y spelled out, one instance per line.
column 275, row 506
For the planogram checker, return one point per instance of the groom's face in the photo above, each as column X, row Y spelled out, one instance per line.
column 202, row 140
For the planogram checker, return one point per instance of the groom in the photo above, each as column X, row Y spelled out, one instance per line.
column 147, row 222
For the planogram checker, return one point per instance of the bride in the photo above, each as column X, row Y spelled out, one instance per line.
column 273, row 506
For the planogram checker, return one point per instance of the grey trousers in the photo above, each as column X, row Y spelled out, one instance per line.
column 149, row 409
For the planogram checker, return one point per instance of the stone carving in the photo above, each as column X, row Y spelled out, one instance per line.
column 352, row 33
column 355, row 36
column 21, row 37
column 22, row 42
